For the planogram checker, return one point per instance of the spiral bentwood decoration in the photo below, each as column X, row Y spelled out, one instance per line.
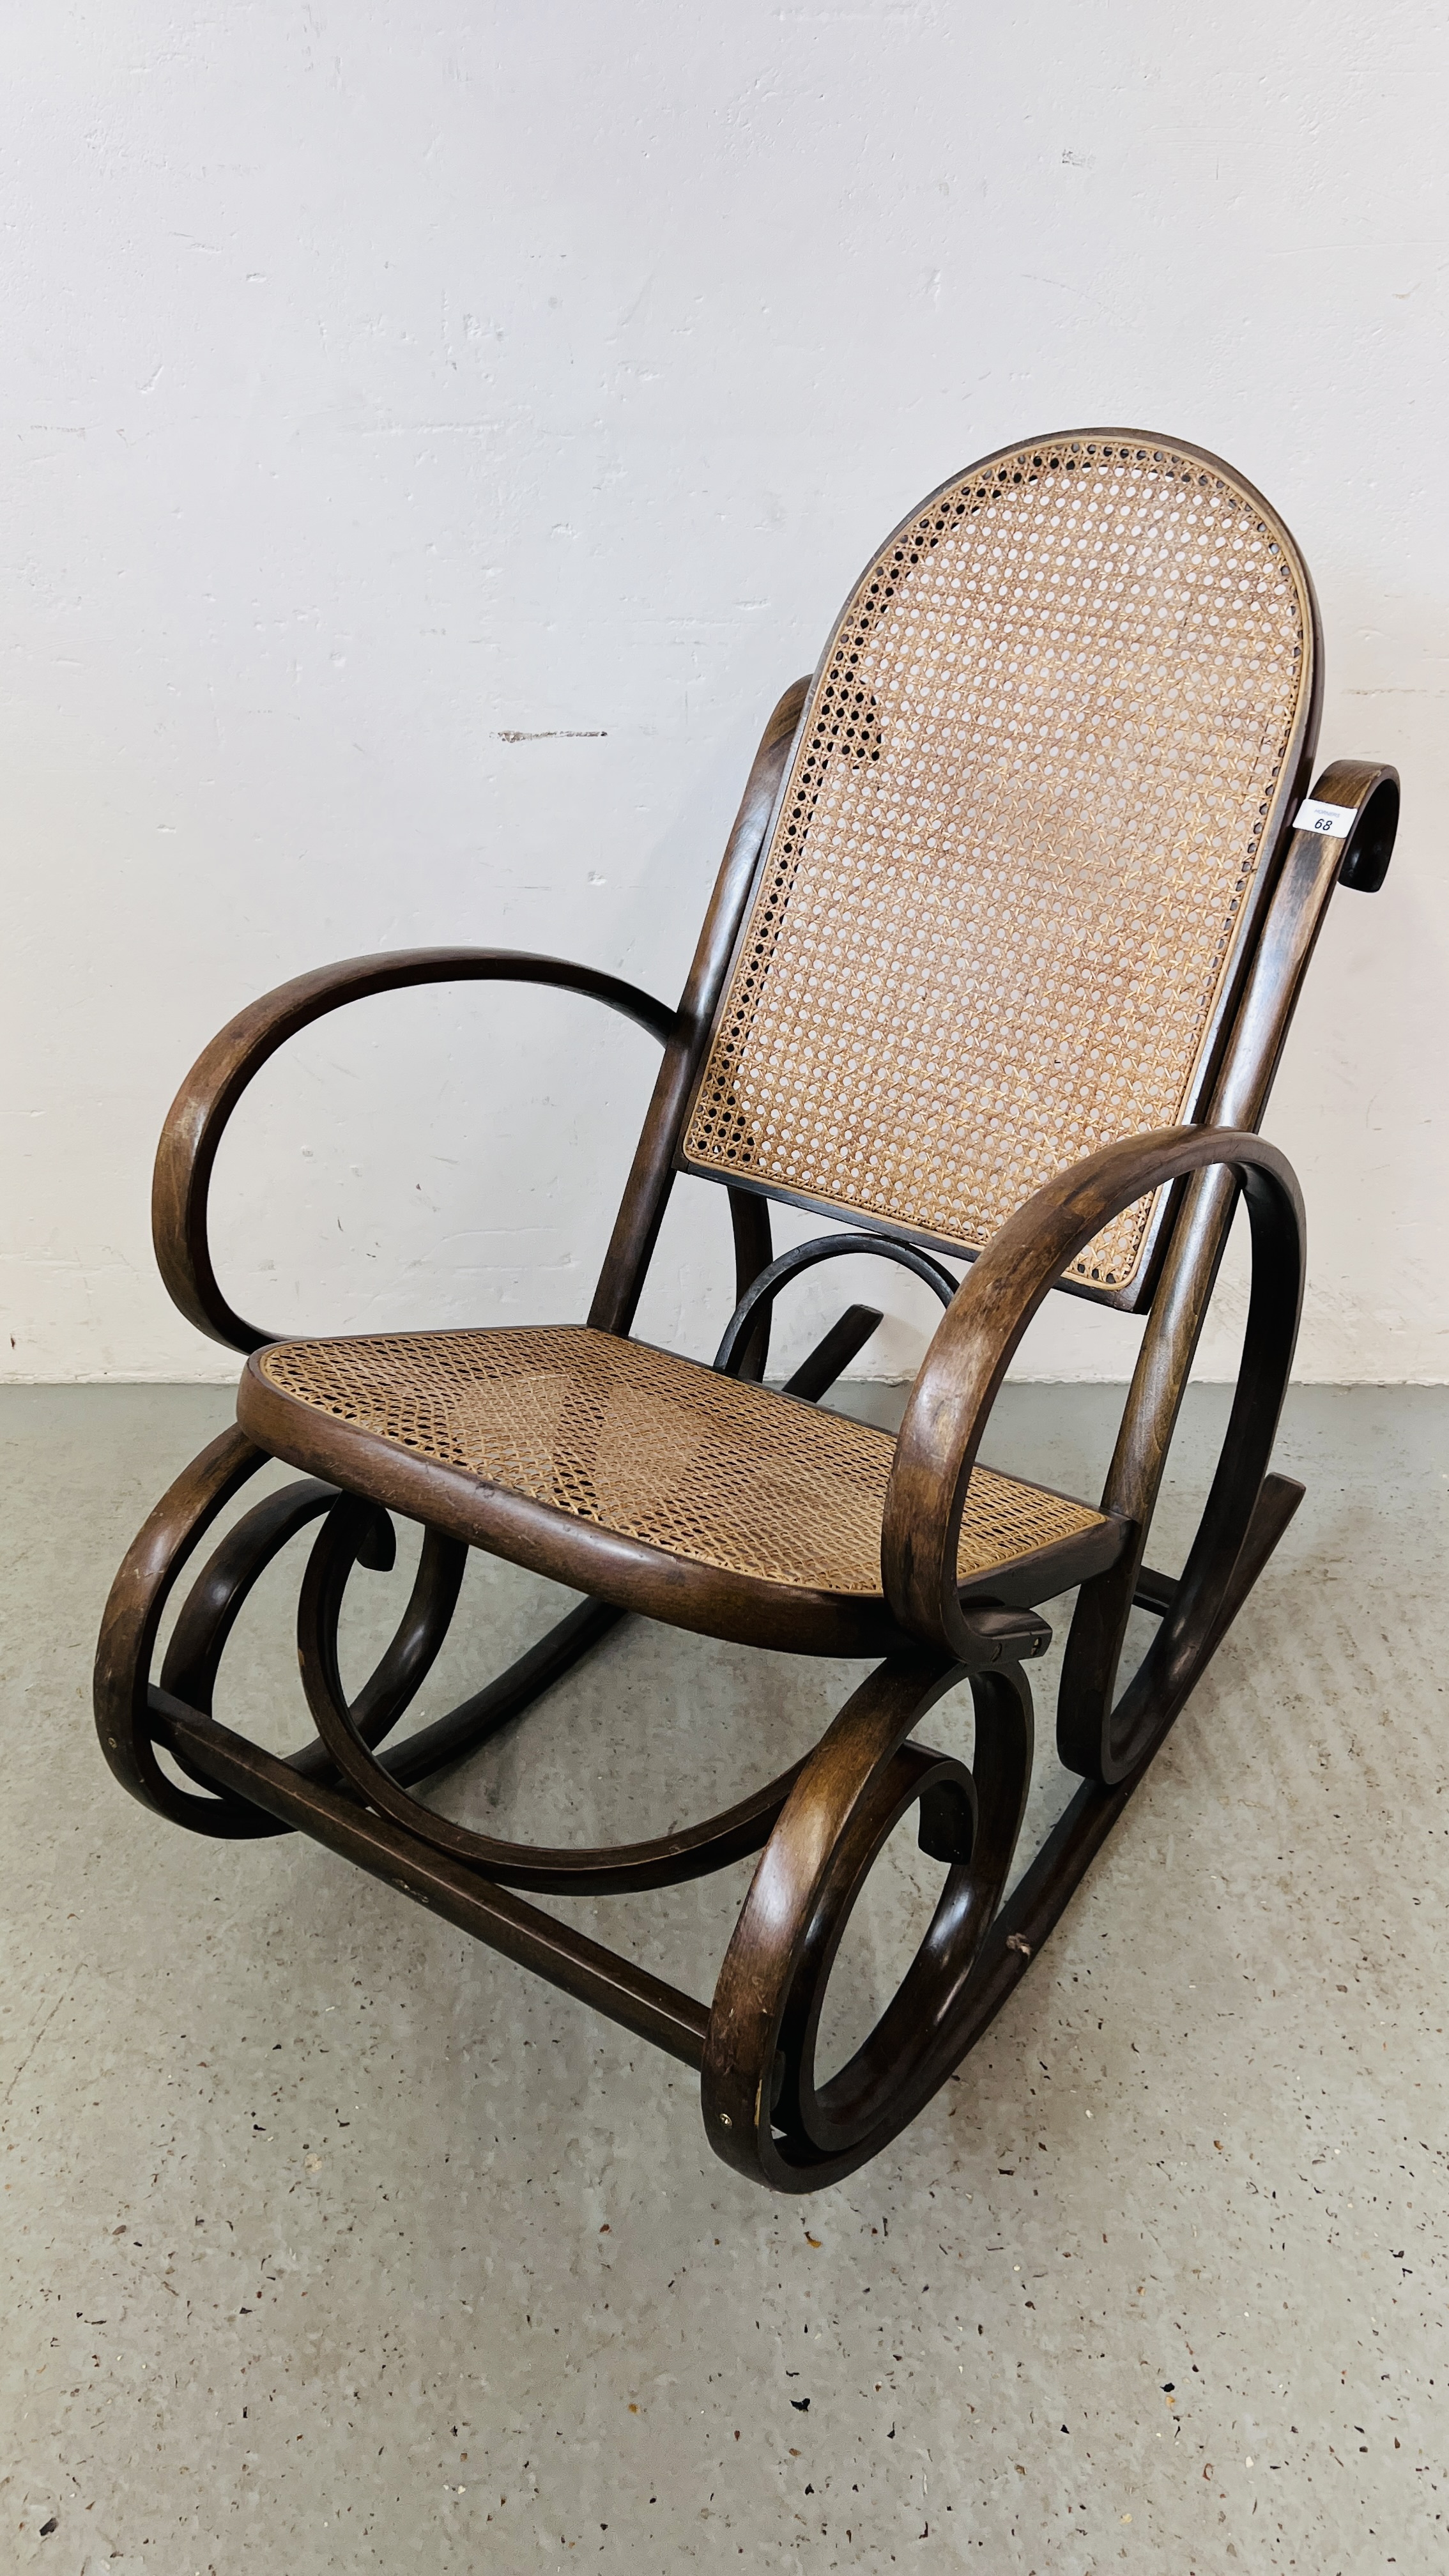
column 891, row 1019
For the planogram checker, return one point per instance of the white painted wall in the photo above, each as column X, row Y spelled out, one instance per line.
column 384, row 385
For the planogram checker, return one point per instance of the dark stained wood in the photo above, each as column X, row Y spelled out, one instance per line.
column 349, row 1737
column 484, row 1714
column 201, row 1633
column 1294, row 919
column 646, row 1195
column 763, row 1286
column 750, row 1222
column 763, row 2111
column 833, row 1353
column 132, row 1622
column 1155, row 1592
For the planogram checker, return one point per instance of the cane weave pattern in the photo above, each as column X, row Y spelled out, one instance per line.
column 1003, row 889
column 655, row 1448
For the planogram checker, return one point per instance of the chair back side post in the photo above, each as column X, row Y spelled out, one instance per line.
column 1298, row 906
column 651, row 1176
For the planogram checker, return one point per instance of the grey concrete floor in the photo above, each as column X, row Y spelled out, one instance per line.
column 1158, row 2282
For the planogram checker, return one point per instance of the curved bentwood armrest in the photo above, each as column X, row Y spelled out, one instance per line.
column 978, row 1335
column 197, row 1119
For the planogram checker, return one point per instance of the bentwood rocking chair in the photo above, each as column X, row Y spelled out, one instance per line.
column 997, row 970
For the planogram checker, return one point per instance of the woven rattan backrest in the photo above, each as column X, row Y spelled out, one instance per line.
column 1014, row 865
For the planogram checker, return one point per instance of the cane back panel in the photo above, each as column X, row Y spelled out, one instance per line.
column 1011, row 871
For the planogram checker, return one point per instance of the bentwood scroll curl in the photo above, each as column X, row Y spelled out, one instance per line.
column 664, row 1862
column 764, row 2112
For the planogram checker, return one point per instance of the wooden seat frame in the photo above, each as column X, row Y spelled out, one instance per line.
column 821, row 1825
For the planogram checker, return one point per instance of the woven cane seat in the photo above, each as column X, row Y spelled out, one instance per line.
column 652, row 1447
column 1013, row 864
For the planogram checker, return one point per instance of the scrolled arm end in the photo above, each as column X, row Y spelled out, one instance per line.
column 1357, row 802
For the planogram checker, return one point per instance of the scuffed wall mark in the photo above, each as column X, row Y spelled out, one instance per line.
column 561, row 733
